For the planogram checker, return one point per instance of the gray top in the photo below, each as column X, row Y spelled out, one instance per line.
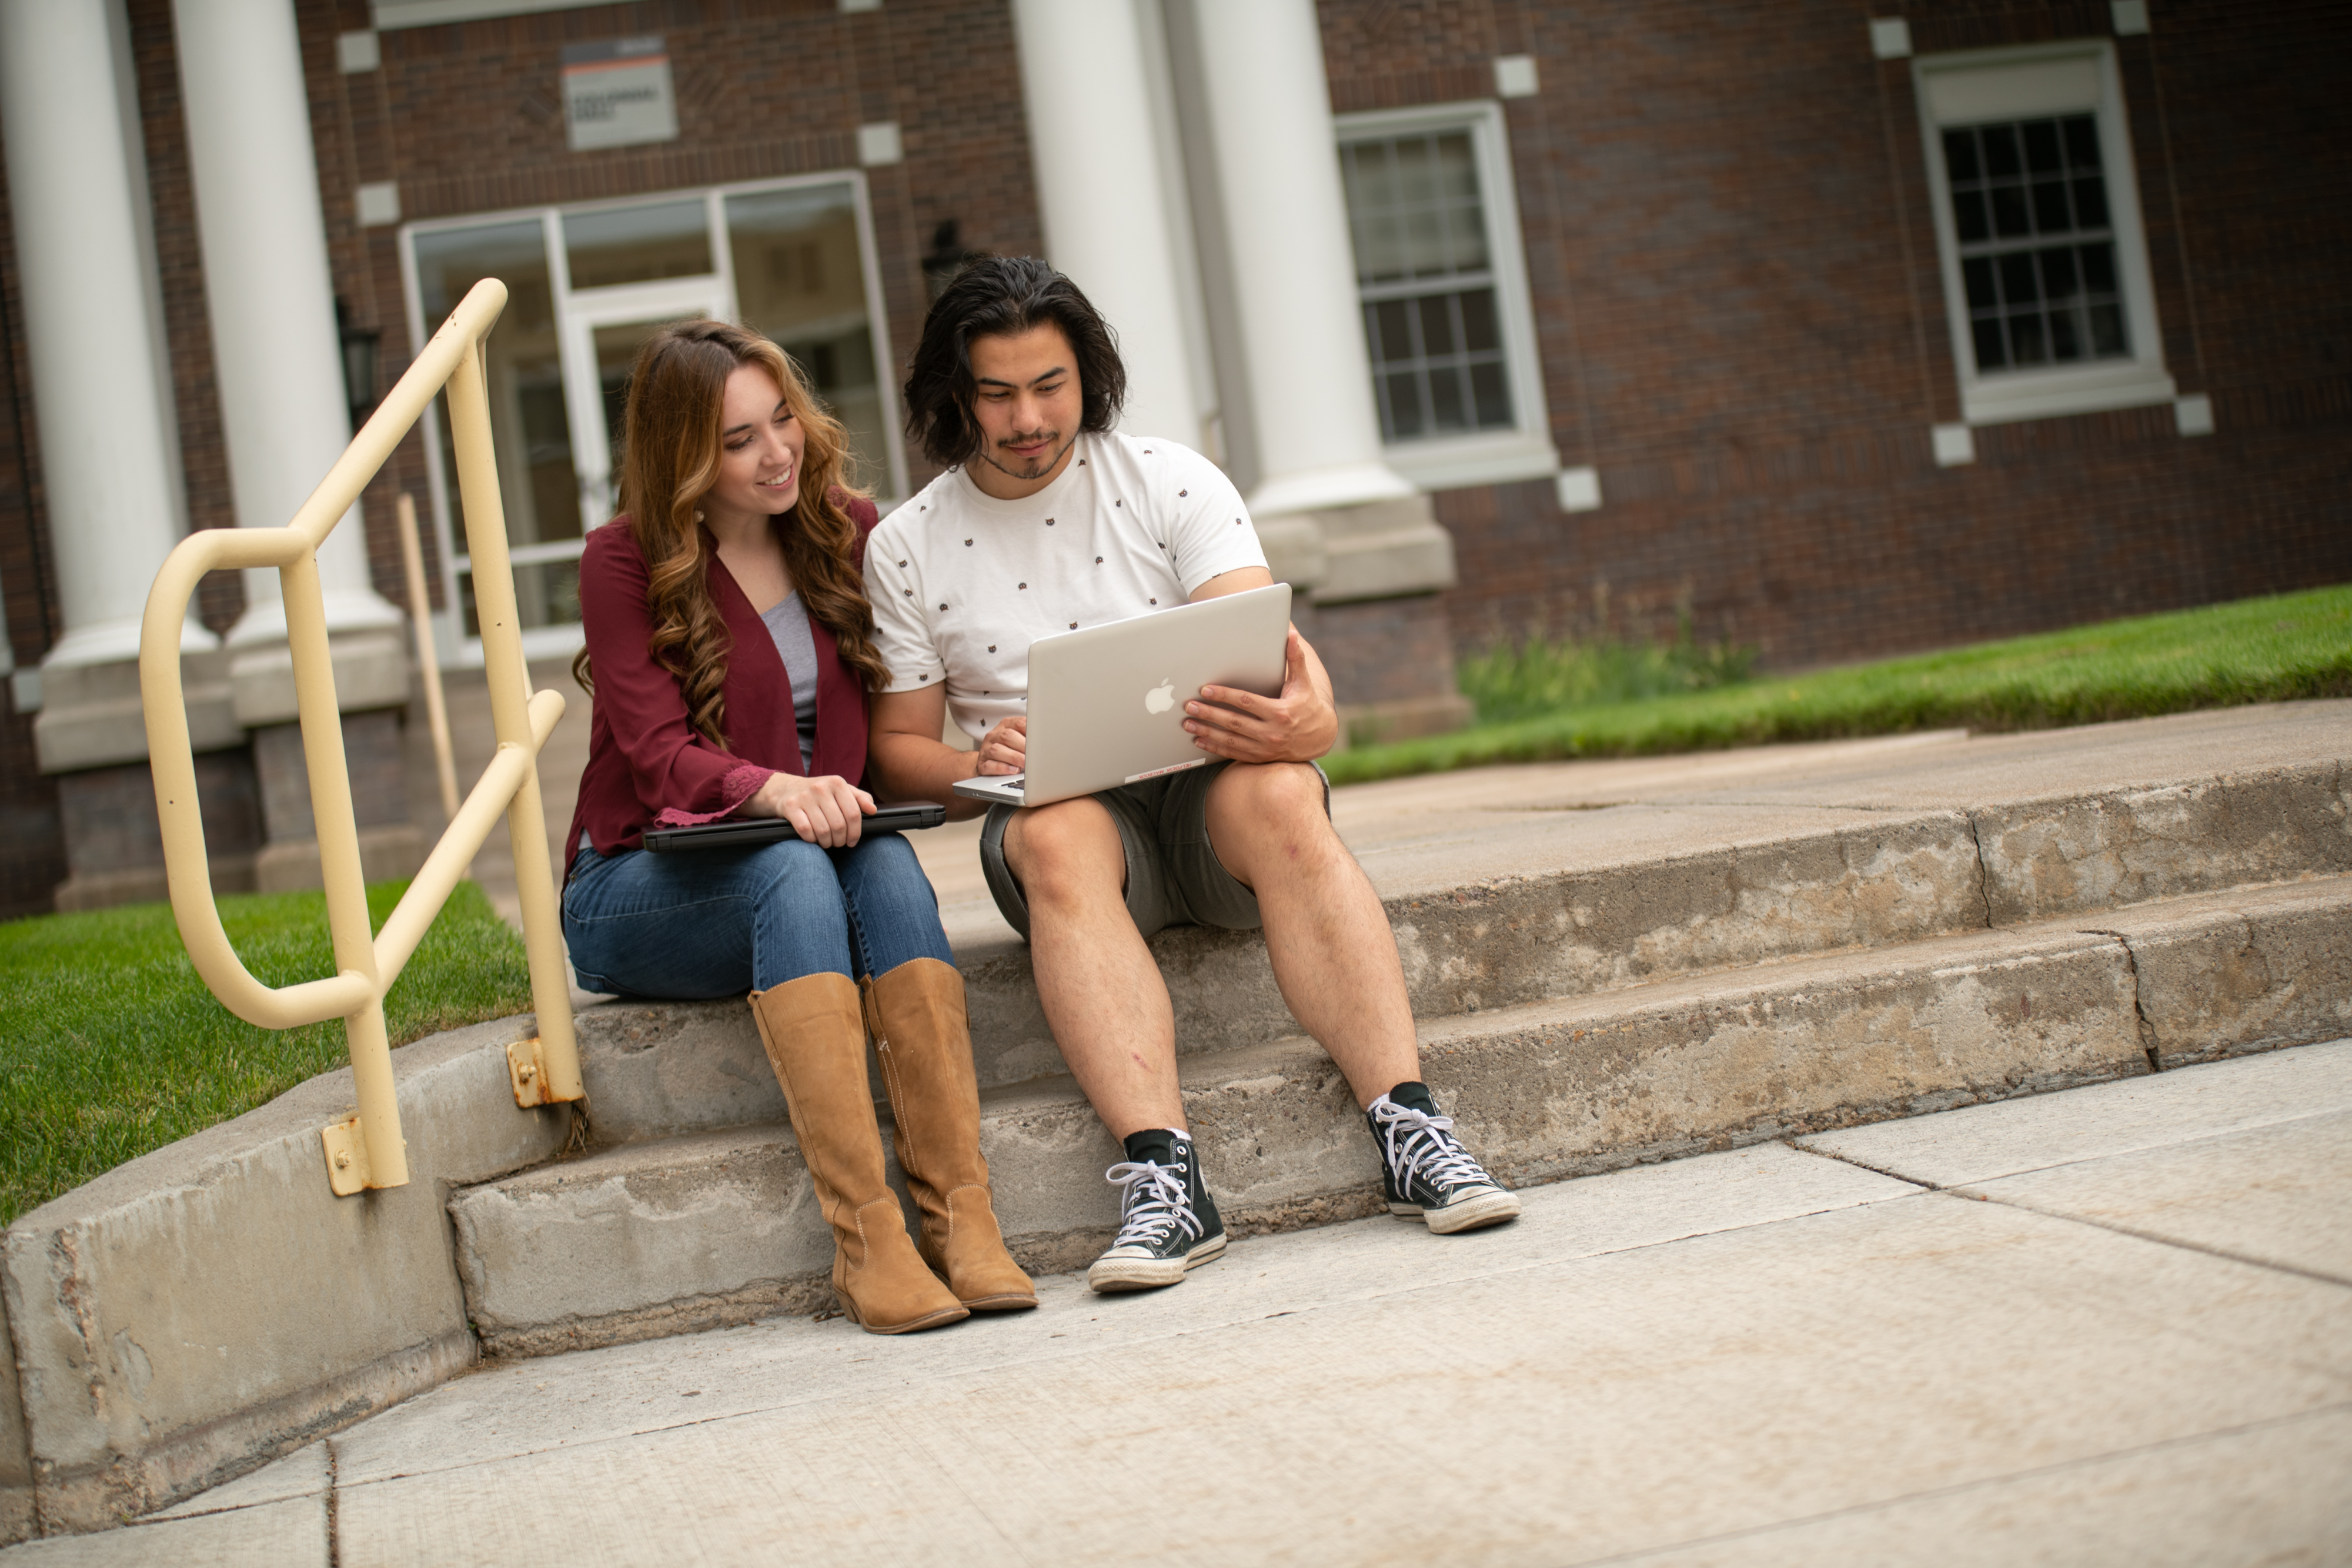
column 788, row 623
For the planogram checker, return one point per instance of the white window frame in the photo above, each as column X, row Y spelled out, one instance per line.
column 1497, row 457
column 1984, row 85
column 455, row 648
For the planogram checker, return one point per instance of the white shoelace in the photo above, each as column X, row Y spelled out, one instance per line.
column 1415, row 1143
column 1153, row 1199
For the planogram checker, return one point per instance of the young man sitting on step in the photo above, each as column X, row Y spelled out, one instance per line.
column 1047, row 514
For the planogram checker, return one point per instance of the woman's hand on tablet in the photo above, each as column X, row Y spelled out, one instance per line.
column 827, row 811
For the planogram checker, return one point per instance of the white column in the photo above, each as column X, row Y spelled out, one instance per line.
column 75, row 195
column 1102, row 196
column 1269, row 117
column 268, row 293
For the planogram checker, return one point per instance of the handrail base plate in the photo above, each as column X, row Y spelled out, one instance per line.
column 526, row 1069
column 347, row 1161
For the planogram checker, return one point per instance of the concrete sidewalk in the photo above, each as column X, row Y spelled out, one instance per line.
column 2107, row 1325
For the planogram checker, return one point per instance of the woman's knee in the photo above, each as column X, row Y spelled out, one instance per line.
column 786, row 863
column 886, row 867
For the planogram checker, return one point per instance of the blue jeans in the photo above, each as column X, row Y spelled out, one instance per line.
column 718, row 923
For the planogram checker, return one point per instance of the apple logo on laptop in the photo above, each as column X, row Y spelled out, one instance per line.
column 1161, row 698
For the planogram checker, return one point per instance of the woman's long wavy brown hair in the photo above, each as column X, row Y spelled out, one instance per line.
column 670, row 453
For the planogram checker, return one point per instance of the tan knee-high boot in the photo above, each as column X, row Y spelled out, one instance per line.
column 916, row 1014
column 816, row 1042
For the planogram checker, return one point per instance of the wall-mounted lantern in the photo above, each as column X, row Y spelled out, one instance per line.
column 359, row 346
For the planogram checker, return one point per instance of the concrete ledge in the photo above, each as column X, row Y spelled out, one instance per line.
column 15, row 1452
column 91, row 716
column 658, row 1069
column 370, row 671
column 2243, row 972
column 210, row 1305
column 2047, row 858
column 1381, row 550
column 554, row 1259
column 695, row 1231
column 1294, row 549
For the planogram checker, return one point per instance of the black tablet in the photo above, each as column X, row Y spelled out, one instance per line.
column 738, row 831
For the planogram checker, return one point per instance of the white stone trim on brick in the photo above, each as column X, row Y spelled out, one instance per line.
column 880, row 143
column 1579, row 489
column 377, row 204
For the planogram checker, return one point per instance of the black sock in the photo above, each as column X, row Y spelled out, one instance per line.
column 1413, row 1094
column 1154, row 1145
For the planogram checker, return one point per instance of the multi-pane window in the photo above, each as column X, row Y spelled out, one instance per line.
column 2046, row 282
column 586, row 287
column 1426, row 274
column 2036, row 245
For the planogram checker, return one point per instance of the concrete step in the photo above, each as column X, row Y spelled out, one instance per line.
column 692, row 1231
column 1507, row 902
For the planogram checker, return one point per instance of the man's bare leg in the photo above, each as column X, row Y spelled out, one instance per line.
column 1336, row 961
column 1334, row 955
column 1103, row 994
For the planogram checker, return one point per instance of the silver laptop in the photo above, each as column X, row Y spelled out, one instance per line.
column 1106, row 703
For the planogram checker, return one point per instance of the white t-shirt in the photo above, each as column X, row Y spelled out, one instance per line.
column 961, row 583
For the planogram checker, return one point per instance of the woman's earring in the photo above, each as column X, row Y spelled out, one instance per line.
column 698, row 513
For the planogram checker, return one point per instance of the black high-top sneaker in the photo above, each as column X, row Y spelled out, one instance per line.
column 1426, row 1171
column 1167, row 1223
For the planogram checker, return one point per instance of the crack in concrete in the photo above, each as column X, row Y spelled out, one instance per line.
column 2155, row 1237
column 2147, row 1043
column 1984, row 872
column 334, row 1520
column 1920, row 1182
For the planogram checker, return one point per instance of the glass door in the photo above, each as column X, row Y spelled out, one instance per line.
column 603, row 333
column 587, row 286
column 531, row 423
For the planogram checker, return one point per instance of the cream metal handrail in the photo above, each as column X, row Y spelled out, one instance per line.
column 367, row 1150
column 428, row 659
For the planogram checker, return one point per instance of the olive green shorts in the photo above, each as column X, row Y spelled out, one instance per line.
column 1173, row 876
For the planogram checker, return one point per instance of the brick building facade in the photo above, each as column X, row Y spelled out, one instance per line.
column 1728, row 225
column 1740, row 336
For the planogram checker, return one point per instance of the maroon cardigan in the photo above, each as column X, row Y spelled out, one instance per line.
column 646, row 766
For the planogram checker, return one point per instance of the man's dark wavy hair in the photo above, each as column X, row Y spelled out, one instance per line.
column 996, row 295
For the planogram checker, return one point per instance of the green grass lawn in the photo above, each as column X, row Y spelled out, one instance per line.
column 2257, row 649
column 111, row 1046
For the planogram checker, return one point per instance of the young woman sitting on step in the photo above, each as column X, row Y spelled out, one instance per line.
column 730, row 652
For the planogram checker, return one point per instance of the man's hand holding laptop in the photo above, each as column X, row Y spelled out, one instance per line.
column 1299, row 726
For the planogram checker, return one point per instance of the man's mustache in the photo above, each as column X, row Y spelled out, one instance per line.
column 1026, row 437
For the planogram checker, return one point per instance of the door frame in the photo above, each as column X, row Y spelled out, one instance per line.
column 577, row 316
column 457, row 649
